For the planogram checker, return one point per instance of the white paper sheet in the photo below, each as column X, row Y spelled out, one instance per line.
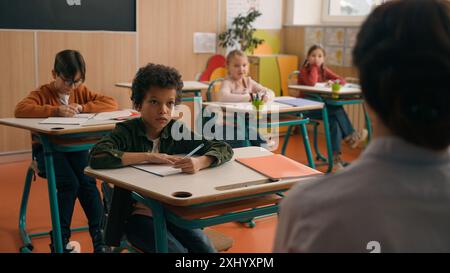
column 157, row 169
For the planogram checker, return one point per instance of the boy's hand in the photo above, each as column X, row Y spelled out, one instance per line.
column 193, row 164
column 157, row 158
column 67, row 111
column 77, row 107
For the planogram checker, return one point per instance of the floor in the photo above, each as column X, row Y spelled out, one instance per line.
column 246, row 239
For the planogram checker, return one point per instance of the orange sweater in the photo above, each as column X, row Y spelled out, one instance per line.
column 44, row 102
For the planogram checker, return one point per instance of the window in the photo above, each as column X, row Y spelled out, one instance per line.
column 347, row 11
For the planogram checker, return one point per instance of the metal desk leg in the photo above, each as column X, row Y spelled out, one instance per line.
column 160, row 227
column 307, row 146
column 327, row 138
column 368, row 123
column 28, row 246
column 56, row 227
column 286, row 139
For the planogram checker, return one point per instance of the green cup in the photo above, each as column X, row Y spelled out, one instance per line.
column 258, row 104
column 335, row 87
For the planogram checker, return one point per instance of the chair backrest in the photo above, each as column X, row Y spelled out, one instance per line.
column 213, row 89
column 214, row 62
column 219, row 72
column 293, row 77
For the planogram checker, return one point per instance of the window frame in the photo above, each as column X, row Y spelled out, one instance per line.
column 339, row 19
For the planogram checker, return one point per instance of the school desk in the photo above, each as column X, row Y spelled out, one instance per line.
column 188, row 86
column 54, row 137
column 348, row 94
column 227, row 193
column 269, row 110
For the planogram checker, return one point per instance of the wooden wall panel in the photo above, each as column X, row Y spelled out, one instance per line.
column 109, row 57
column 166, row 28
column 18, row 78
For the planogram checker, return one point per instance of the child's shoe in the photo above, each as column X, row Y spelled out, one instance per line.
column 98, row 242
column 73, row 247
column 337, row 163
column 355, row 139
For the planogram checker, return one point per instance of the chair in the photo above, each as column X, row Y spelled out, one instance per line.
column 214, row 62
column 81, row 144
column 213, row 89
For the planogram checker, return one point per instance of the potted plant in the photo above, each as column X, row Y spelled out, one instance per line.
column 241, row 32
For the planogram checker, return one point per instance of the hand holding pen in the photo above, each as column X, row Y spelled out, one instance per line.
column 189, row 164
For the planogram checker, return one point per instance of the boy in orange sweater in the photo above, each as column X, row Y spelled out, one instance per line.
column 66, row 96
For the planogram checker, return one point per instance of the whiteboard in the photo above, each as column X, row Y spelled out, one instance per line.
column 270, row 9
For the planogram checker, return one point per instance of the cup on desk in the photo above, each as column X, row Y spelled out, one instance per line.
column 257, row 100
column 335, row 87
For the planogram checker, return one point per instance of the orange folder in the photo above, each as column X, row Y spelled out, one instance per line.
column 278, row 166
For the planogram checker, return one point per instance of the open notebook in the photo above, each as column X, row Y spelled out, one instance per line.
column 90, row 119
column 278, row 166
column 157, row 169
column 298, row 102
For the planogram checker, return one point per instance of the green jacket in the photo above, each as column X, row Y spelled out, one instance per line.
column 130, row 136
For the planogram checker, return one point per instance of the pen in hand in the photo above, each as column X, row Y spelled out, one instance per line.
column 193, row 151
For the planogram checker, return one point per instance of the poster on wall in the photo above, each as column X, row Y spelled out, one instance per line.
column 335, row 36
column 313, row 36
column 108, row 15
column 204, row 42
column 348, row 60
column 335, row 55
column 350, row 36
column 270, row 12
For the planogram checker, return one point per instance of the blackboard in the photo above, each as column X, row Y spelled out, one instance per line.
column 109, row 15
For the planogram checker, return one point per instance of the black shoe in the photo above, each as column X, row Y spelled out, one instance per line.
column 99, row 243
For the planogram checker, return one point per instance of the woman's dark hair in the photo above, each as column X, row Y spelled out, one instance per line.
column 155, row 75
column 403, row 57
column 68, row 62
column 310, row 50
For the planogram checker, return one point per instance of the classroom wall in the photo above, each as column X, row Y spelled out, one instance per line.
column 303, row 12
column 164, row 35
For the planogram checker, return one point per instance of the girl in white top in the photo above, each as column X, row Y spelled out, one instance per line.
column 238, row 86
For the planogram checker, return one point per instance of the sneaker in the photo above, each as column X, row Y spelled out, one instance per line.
column 70, row 247
column 73, row 247
column 337, row 163
column 270, row 145
column 338, row 166
column 355, row 139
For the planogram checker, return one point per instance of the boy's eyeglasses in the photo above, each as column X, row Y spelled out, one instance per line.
column 69, row 83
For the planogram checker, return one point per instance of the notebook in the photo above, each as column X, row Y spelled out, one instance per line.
column 91, row 119
column 277, row 166
column 63, row 120
column 297, row 102
column 157, row 169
